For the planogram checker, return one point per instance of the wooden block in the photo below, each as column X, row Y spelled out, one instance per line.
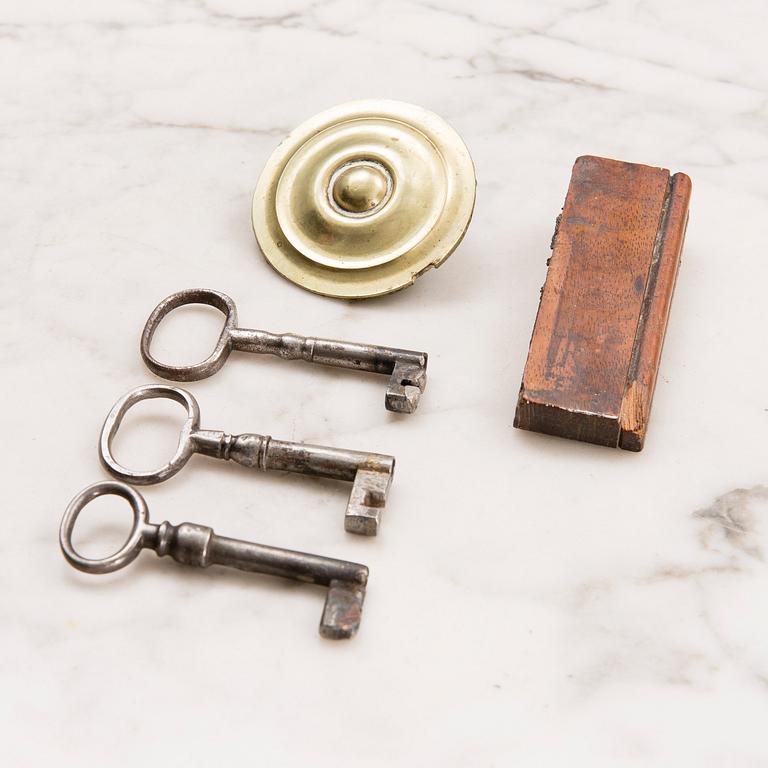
column 597, row 340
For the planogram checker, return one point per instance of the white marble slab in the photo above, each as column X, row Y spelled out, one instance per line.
column 532, row 601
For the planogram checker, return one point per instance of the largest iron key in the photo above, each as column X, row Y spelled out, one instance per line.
column 198, row 545
column 407, row 370
column 370, row 473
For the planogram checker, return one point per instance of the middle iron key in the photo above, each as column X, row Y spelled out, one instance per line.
column 407, row 370
column 369, row 473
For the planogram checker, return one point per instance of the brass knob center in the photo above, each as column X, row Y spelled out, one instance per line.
column 359, row 188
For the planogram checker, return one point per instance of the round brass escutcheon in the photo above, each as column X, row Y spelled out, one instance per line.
column 363, row 198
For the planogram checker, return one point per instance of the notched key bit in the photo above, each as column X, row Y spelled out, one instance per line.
column 407, row 369
column 198, row 546
column 369, row 473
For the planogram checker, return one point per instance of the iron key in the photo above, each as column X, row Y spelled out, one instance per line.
column 407, row 370
column 198, row 545
column 370, row 473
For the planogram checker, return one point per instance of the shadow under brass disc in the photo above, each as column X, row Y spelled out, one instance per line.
column 363, row 198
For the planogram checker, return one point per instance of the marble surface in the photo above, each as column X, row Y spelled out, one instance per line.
column 532, row 601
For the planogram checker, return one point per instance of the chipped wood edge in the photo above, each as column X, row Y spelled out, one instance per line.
column 652, row 324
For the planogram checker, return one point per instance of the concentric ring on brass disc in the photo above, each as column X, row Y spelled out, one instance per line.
column 361, row 199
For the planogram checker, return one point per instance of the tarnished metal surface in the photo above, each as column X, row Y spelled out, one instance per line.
column 370, row 473
column 199, row 546
column 407, row 370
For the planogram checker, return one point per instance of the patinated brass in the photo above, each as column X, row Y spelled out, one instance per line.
column 362, row 199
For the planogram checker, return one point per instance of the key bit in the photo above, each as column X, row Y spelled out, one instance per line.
column 198, row 546
column 405, row 386
column 406, row 368
column 369, row 473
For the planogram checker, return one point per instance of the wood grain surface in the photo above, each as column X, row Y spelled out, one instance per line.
column 596, row 344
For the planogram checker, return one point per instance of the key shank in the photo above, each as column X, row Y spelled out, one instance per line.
column 407, row 369
column 369, row 473
column 199, row 546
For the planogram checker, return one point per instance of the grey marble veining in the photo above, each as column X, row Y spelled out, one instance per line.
column 576, row 606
